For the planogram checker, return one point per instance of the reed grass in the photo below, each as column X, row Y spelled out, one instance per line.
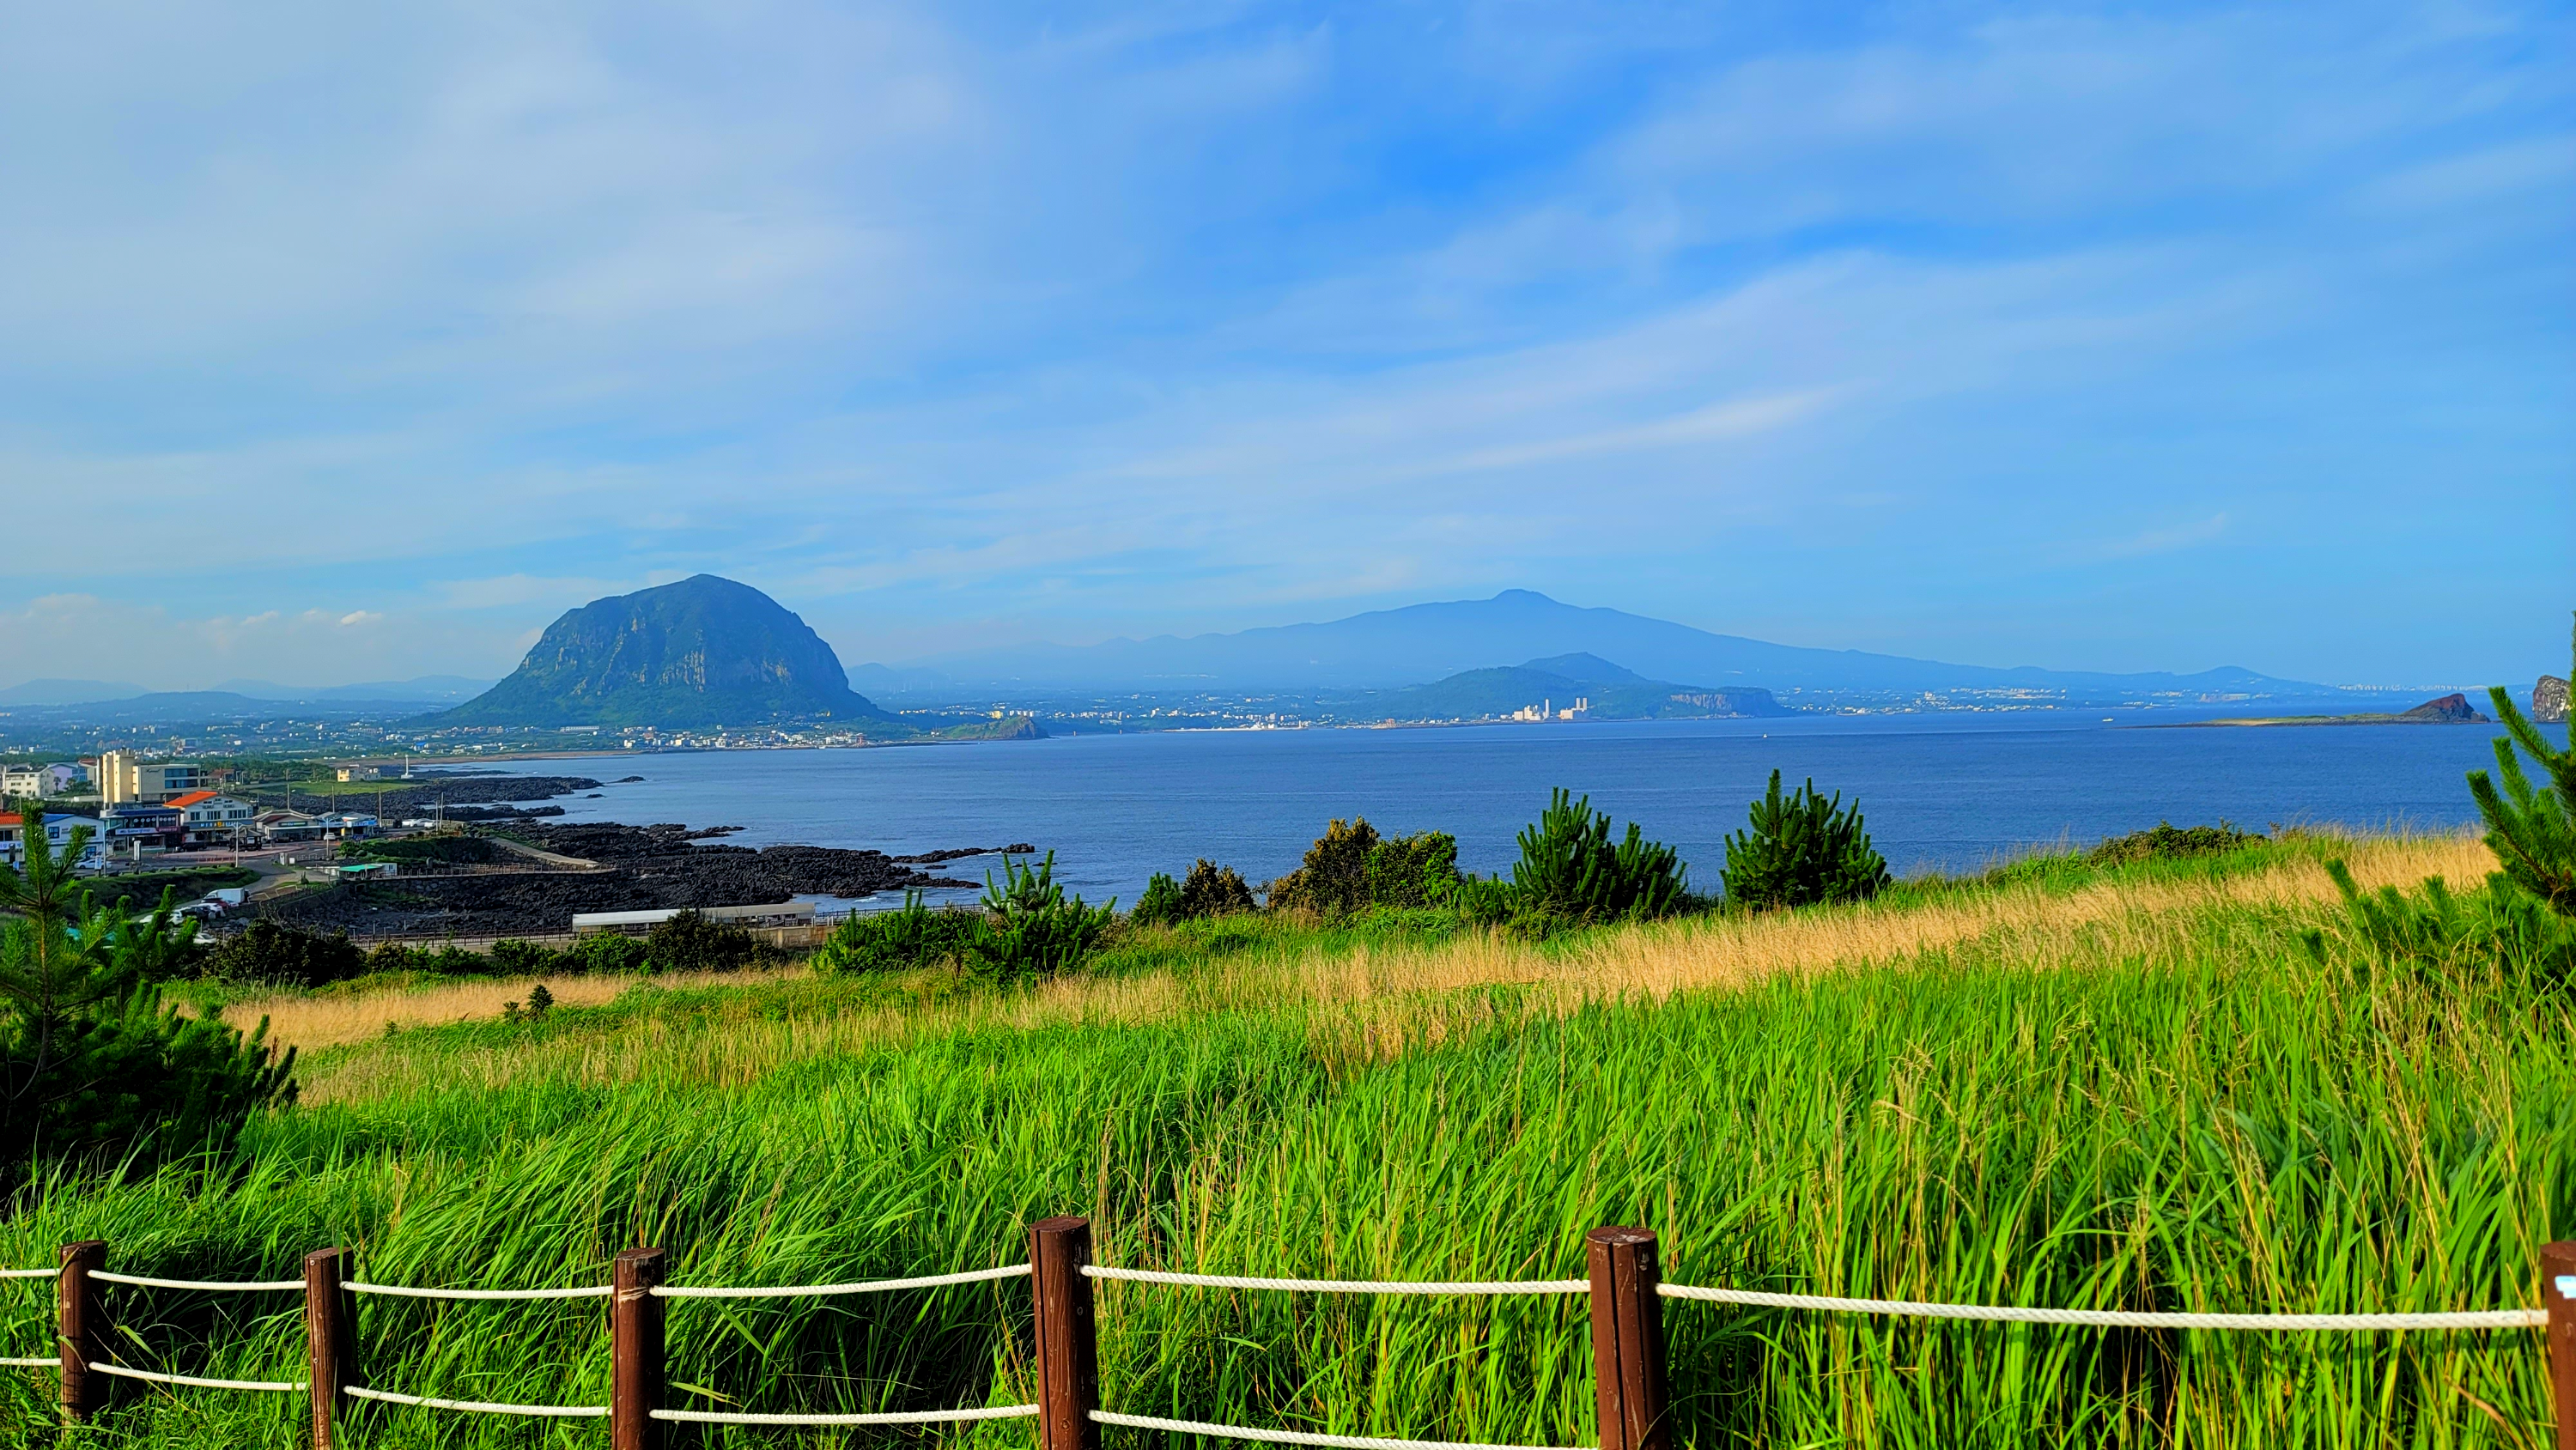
column 2119, row 1088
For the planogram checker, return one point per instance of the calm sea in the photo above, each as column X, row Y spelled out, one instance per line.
column 1940, row 791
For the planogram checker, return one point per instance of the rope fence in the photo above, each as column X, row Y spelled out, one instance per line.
column 1624, row 1285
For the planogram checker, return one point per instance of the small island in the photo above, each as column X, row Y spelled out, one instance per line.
column 2453, row 709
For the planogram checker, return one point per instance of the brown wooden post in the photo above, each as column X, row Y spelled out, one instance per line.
column 635, row 1338
column 1627, row 1339
column 330, row 1340
column 80, row 1326
column 2558, row 1291
column 1068, row 1351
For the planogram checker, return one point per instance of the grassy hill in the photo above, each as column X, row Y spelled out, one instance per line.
column 1615, row 693
column 2060, row 1084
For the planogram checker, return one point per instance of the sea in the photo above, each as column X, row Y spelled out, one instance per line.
column 1945, row 792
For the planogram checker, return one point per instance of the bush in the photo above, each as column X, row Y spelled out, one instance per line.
column 2532, row 831
column 1413, row 871
column 913, row 935
column 1802, row 850
column 269, row 951
column 691, row 942
column 2165, row 843
column 521, row 958
column 606, row 951
column 1570, row 872
column 1210, row 890
column 1034, row 930
column 1334, row 880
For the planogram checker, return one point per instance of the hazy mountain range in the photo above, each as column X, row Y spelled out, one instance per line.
column 1392, row 648
column 245, row 694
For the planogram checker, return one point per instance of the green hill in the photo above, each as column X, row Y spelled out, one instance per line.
column 702, row 652
column 1613, row 693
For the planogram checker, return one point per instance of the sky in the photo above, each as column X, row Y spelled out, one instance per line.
column 348, row 342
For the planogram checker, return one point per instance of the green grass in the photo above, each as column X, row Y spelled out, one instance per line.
column 2221, row 1125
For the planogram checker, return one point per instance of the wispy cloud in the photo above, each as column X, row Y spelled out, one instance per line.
column 956, row 323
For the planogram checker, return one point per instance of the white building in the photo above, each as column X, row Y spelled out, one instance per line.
column 22, row 780
column 58, row 829
column 206, row 816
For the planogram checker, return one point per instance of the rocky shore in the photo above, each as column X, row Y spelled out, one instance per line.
column 635, row 868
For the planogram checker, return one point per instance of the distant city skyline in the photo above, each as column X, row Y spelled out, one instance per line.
column 350, row 345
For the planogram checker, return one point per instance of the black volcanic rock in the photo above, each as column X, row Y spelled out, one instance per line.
column 702, row 652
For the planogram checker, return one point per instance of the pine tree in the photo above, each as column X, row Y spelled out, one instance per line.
column 1569, row 869
column 1800, row 850
column 91, row 1062
column 2532, row 830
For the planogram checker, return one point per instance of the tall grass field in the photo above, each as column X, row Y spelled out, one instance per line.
column 2055, row 1085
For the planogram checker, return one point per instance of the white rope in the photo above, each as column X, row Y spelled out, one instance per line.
column 479, row 1407
column 1341, row 1286
column 585, row 1291
column 2116, row 1318
column 30, row 1273
column 869, row 1286
column 49, row 1362
column 1292, row 1437
column 897, row 1417
column 236, row 1287
column 278, row 1386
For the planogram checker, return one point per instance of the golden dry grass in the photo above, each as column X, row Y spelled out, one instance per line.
column 1366, row 1000
column 330, row 1019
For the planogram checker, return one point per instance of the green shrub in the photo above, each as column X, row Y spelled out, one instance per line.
column 1802, row 850
column 1213, row 890
column 1570, row 872
column 603, row 952
column 1413, row 871
column 521, row 958
column 1034, row 929
column 1160, row 905
column 691, row 942
column 2166, row 843
column 1334, row 879
column 1209, row 890
column 270, row 951
column 912, row 935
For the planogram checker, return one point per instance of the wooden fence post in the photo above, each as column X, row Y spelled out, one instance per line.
column 635, row 1338
column 1627, row 1339
column 1068, row 1351
column 80, row 1326
column 330, row 1340
column 2558, row 1291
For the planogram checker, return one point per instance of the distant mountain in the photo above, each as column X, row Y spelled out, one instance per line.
column 1396, row 647
column 66, row 692
column 890, row 680
column 1612, row 692
column 425, row 690
column 702, row 652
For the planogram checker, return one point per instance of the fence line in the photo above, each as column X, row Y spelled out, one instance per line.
column 2116, row 1318
column 1341, row 1286
column 1624, row 1284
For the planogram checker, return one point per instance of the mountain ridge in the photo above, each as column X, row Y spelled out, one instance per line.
column 1420, row 643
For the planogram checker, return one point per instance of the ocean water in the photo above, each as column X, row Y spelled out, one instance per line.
column 1948, row 792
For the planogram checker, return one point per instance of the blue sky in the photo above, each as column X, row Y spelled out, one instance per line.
column 354, row 342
